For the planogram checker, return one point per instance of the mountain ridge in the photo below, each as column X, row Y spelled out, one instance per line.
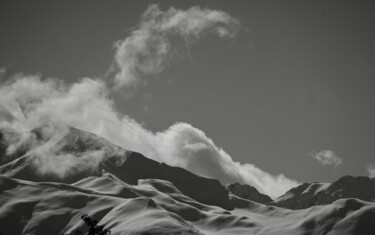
column 311, row 194
column 132, row 194
column 62, row 139
column 128, row 166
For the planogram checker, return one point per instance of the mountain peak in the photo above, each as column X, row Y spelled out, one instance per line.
column 248, row 192
column 310, row 194
column 67, row 154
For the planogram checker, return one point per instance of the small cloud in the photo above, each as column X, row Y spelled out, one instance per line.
column 327, row 158
column 3, row 71
column 371, row 170
column 147, row 110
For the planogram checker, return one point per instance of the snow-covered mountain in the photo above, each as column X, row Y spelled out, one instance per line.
column 89, row 155
column 54, row 174
column 311, row 194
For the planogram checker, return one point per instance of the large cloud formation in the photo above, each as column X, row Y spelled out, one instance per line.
column 149, row 48
column 28, row 101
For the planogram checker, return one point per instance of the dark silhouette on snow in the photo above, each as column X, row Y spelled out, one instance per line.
column 94, row 228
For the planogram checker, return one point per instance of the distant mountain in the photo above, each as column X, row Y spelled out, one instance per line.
column 248, row 192
column 311, row 194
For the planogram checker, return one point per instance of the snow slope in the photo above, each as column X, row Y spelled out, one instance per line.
column 157, row 207
column 43, row 193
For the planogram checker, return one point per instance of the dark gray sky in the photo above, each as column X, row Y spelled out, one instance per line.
column 298, row 79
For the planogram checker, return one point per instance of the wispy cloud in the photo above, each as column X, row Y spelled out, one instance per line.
column 27, row 101
column 160, row 36
column 3, row 70
column 327, row 158
column 371, row 170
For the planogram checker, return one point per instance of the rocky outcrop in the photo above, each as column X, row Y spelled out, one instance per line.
column 248, row 192
column 311, row 194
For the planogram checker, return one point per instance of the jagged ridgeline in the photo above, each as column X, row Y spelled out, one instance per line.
column 54, row 174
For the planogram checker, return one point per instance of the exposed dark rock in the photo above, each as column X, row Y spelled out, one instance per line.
column 248, row 192
column 311, row 194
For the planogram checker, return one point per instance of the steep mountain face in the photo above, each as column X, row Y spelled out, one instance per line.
column 311, row 194
column 360, row 187
column 248, row 192
column 89, row 155
column 136, row 166
column 54, row 153
column 300, row 197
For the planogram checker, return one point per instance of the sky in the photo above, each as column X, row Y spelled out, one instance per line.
column 280, row 89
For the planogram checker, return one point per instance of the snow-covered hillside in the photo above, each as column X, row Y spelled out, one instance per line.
column 49, row 179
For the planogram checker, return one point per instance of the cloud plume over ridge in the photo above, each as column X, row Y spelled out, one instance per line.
column 27, row 101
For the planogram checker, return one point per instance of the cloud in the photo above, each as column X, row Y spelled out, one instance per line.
column 28, row 101
column 3, row 71
column 371, row 171
column 327, row 158
column 65, row 151
column 157, row 39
